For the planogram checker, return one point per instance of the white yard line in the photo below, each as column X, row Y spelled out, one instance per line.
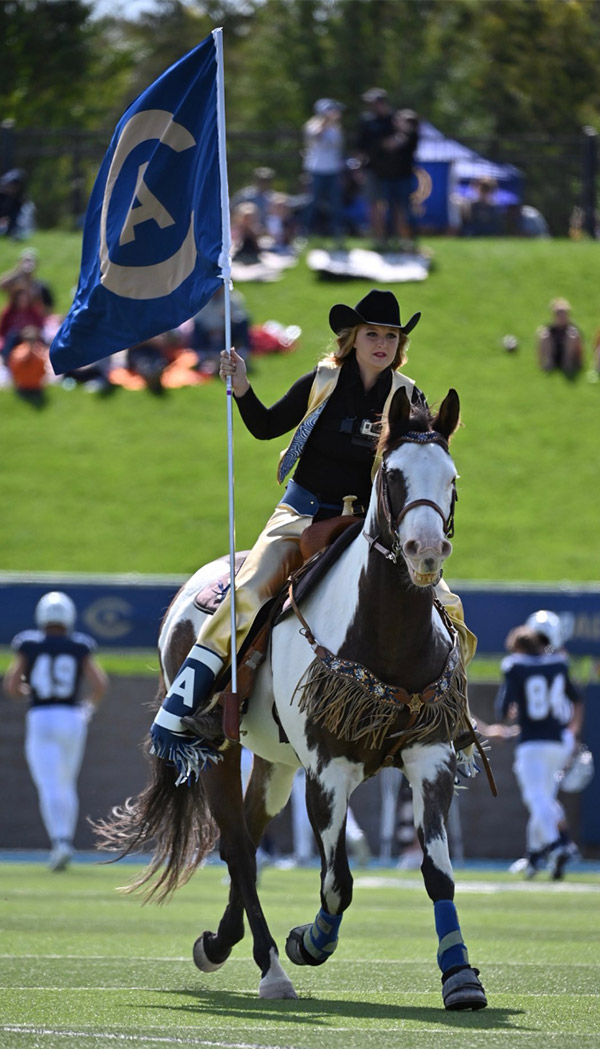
column 484, row 887
column 138, row 958
column 110, row 1036
column 148, row 1039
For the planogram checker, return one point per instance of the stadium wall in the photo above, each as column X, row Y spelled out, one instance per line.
column 115, row 768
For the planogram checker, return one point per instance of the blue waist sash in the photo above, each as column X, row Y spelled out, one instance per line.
column 308, row 504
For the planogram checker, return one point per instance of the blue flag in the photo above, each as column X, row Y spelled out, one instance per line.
column 153, row 247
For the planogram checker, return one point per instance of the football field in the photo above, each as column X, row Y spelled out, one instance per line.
column 84, row 966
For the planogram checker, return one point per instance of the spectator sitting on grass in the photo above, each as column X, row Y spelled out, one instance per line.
column 560, row 345
column 208, row 338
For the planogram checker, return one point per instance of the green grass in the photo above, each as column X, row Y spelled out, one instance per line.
column 85, row 967
column 135, row 483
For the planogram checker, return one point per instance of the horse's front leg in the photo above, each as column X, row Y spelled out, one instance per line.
column 430, row 771
column 327, row 804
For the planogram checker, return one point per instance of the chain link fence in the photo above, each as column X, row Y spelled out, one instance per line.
column 559, row 174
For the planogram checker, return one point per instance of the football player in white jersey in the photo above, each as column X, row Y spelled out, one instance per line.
column 51, row 664
column 538, row 693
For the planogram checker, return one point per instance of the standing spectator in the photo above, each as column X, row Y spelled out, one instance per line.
column 17, row 211
column 538, row 693
column 387, row 141
column 49, row 666
column 324, row 164
column 560, row 345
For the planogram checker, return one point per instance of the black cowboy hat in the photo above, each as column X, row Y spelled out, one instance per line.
column 377, row 307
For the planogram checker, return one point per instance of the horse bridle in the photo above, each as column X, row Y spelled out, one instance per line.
column 394, row 521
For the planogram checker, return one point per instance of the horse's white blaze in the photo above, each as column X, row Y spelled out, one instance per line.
column 428, row 474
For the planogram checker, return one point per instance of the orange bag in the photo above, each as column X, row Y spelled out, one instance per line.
column 27, row 364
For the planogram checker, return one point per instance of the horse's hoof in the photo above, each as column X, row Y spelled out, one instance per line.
column 296, row 951
column 201, row 959
column 463, row 990
column 275, row 982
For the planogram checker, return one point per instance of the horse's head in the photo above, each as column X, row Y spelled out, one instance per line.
column 416, row 486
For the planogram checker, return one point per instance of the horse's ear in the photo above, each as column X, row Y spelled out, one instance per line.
column 399, row 412
column 446, row 419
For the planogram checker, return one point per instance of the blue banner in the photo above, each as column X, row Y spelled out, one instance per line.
column 491, row 611
column 430, row 199
column 590, row 797
column 152, row 251
column 125, row 611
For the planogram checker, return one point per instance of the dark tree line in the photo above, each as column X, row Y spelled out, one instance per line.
column 493, row 70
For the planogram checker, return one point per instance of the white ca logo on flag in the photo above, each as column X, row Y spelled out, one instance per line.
column 160, row 278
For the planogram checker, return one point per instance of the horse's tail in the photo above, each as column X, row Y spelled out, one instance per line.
column 174, row 822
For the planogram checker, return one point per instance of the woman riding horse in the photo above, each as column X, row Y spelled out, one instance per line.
column 337, row 409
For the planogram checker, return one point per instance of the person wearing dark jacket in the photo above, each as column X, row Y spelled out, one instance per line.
column 387, row 141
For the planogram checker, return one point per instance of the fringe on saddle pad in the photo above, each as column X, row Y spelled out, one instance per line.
column 353, row 705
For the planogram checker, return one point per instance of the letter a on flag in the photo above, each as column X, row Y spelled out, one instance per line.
column 154, row 249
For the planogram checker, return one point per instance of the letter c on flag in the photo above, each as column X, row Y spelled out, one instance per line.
column 161, row 278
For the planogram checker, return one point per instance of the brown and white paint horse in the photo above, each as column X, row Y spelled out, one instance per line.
column 373, row 619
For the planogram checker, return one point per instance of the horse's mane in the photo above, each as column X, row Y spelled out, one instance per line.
column 419, row 421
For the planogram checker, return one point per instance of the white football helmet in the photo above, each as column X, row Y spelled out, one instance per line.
column 548, row 624
column 55, row 608
column 579, row 772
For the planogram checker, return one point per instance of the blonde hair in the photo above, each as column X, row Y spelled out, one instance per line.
column 344, row 341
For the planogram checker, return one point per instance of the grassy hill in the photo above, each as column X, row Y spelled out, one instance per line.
column 135, row 483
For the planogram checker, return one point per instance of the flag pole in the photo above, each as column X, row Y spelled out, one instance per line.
column 225, row 264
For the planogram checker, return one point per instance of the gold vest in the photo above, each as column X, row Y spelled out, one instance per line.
column 324, row 384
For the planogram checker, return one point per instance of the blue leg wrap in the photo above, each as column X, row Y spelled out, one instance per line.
column 170, row 739
column 451, row 951
column 321, row 938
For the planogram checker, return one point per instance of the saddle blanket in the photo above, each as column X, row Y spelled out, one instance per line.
column 388, row 268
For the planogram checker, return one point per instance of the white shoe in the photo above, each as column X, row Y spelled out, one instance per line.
column 527, row 867
column 60, row 857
